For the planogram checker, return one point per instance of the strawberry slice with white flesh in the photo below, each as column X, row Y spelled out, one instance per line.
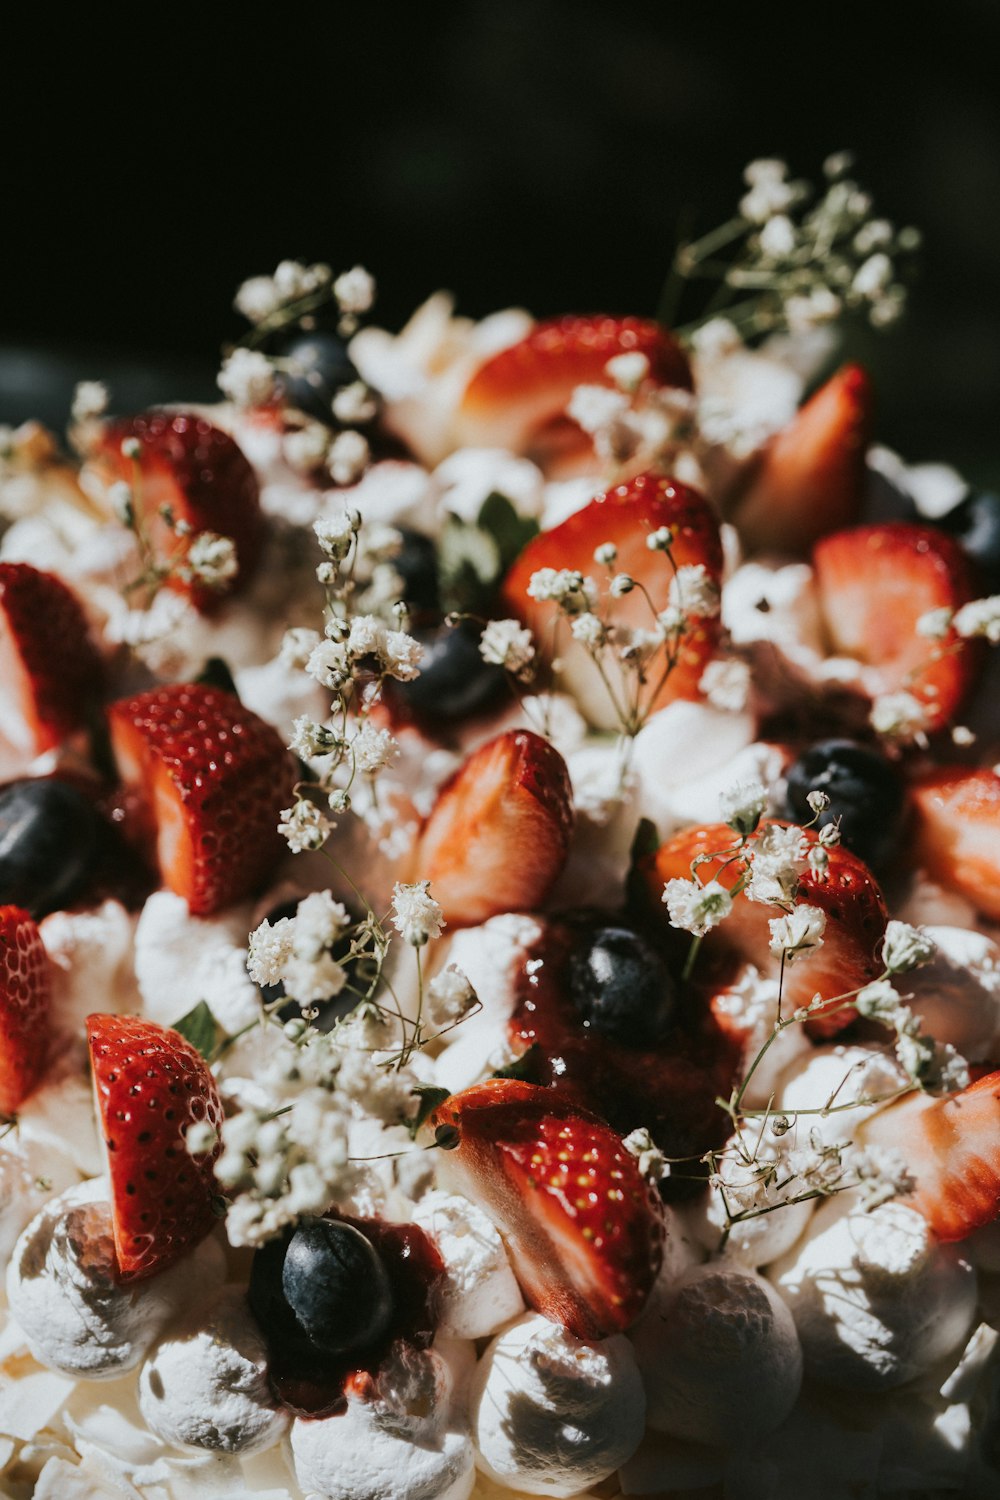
column 498, row 834
column 957, row 832
column 25, row 1002
column 51, row 673
column 584, row 1228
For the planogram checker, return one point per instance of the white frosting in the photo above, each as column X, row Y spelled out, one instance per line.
column 58, row 1119
column 682, row 743
column 490, row 955
column 205, row 1384
column 467, row 478
column 62, row 1293
column 750, row 1242
column 876, row 1299
column 91, row 953
column 181, row 959
column 480, row 1293
column 551, row 1414
column 835, row 1076
column 719, row 1356
column 957, row 994
column 402, row 1445
column 29, row 1175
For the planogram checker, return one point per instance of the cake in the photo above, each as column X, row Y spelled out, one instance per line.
column 499, row 971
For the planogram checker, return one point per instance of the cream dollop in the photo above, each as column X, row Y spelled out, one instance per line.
column 480, row 1293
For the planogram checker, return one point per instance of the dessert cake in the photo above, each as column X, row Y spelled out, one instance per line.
column 499, row 885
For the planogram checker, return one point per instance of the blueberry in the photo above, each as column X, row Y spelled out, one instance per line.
column 621, row 987
column 324, row 1287
column 865, row 793
column 975, row 522
column 50, row 840
column 416, row 563
column 454, row 681
column 320, row 366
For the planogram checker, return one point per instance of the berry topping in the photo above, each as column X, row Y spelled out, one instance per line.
column 195, row 473
column 584, row 1228
column 957, row 832
column 621, row 987
column 208, row 779
column 315, row 366
column 975, row 524
column 875, row 583
column 454, row 683
column 865, row 792
column 812, row 475
column 151, row 1085
column 24, row 1007
column 498, row 834
column 50, row 838
column 50, row 671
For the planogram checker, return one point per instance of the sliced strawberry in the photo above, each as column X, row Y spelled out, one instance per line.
column 625, row 516
column 498, row 834
column 518, row 398
column 952, row 1148
column 24, row 1007
column 50, row 670
column 874, row 584
column 151, row 1085
column 847, row 893
column 584, row 1228
column 206, row 781
column 957, row 832
column 200, row 476
column 811, row 477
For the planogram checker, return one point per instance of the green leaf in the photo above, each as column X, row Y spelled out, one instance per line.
column 430, row 1097
column 216, row 673
column 645, row 841
column 200, row 1028
column 511, row 531
column 469, row 567
column 527, row 1067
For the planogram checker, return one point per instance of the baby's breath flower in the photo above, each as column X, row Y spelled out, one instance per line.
column 742, row 806
column 310, row 980
column 269, row 950
column 415, row 914
column 905, row 947
column 628, row 371
column 818, row 860
column 401, row 655
column 818, row 801
column 777, row 238
column 881, row 1001
column 354, row 403
column 620, row 585
column 354, row 290
column 310, row 739
column 934, row 624
column 606, row 555
column 373, row 748
column 770, row 192
column 305, row 449
column 257, row 298
column 211, row 560
column 873, row 276
column 247, row 378
column 450, row 996
column 298, row 645
column 651, row 1160
column 329, row 663
column 694, row 907
column 90, row 400
column 961, row 734
column 121, row 499
column 557, row 584
column 980, row 617
column 348, row 456
column 304, row 826
column 726, row 683
column 131, row 448
column 335, row 531
column 589, row 630
column 778, row 858
column 798, row 933
column 319, row 922
column 695, row 591
column 200, row 1138
column 898, row 716
column 660, row 540
column 508, row 644
column 595, row 406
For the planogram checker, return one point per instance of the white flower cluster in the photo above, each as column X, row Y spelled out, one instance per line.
column 936, row 1067
column 415, row 913
column 508, row 644
column 297, row 951
column 210, row 560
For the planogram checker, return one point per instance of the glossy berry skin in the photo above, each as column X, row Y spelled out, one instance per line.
column 621, row 987
column 24, row 1007
column 50, row 836
column 320, row 368
column 454, row 683
column 975, row 524
column 416, row 563
column 51, row 673
column 336, row 1286
column 865, row 792
column 150, row 1086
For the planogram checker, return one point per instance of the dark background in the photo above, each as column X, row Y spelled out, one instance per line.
column 537, row 153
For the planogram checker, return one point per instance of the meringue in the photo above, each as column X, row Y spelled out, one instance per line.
column 181, row 959
column 480, row 1293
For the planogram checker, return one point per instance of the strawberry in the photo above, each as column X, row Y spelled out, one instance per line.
column 811, row 477
column 952, row 1148
column 199, row 474
column 584, row 1229
column 624, row 516
column 150, row 1085
column 50, row 670
column 24, row 1007
column 957, row 832
column 206, row 780
column 874, row 584
column 847, row 893
column 518, row 398
column 498, row 834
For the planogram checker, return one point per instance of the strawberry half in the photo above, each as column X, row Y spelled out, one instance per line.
column 847, row 893
column 24, row 1007
column 498, row 834
column 50, row 669
column 957, row 832
column 584, row 1228
column 952, row 1148
column 150, row 1086
column 205, row 782
column 874, row 584
column 811, row 477
column 198, row 473
column 625, row 516
column 518, row 398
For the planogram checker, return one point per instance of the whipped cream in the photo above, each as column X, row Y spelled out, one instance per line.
column 957, row 994
column 29, row 1175
column 876, row 1299
column 403, row 1444
column 833, row 1077
column 91, row 954
column 75, row 1317
column 491, row 956
column 480, row 1293
column 719, row 1356
column 755, row 1241
column 205, row 1384
column 552, row 1414
column 181, row 959
column 682, row 743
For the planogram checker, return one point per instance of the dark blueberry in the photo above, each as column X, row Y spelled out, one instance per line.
column 416, row 563
column 318, row 367
column 975, row 522
column 621, row 987
column 885, row 501
column 454, row 681
column 50, row 840
column 865, row 793
column 326, row 1284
